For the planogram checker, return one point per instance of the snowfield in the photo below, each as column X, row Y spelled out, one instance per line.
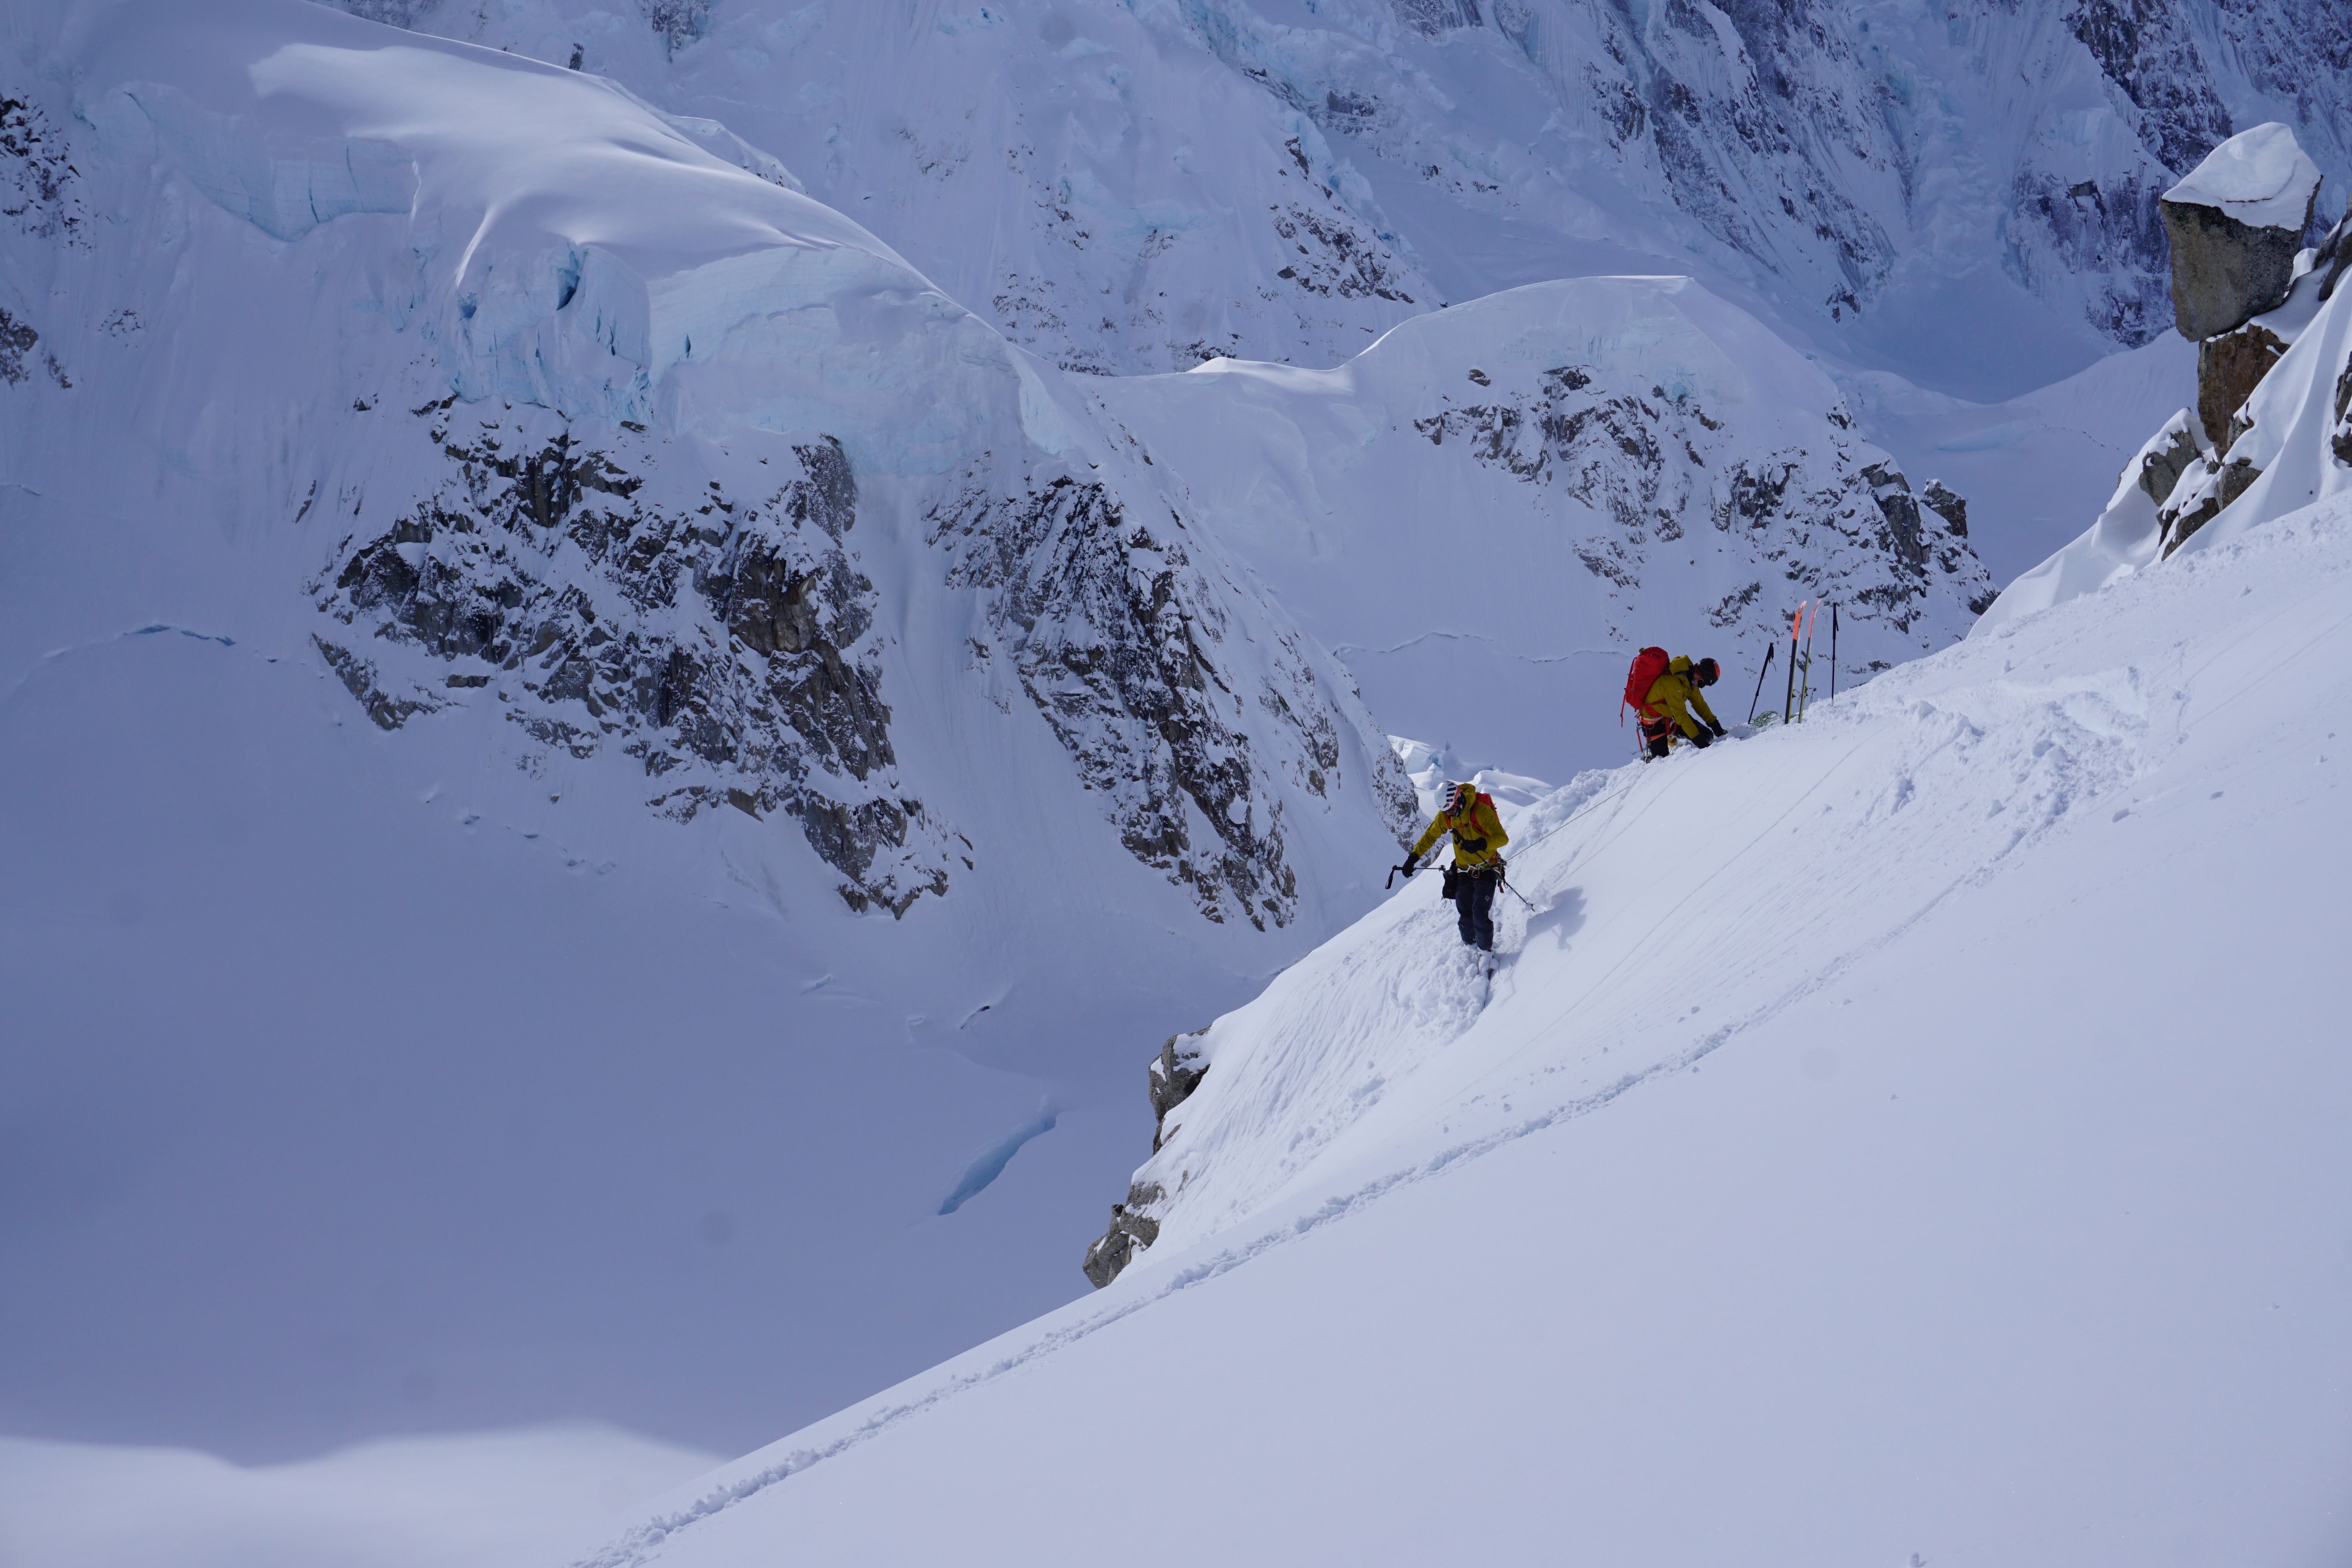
column 1915, row 1136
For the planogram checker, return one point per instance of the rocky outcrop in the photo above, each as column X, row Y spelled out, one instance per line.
column 2332, row 256
column 724, row 641
column 2339, row 440
column 2229, row 368
column 2225, row 273
column 1130, row 1230
column 40, row 186
column 2236, row 225
column 1820, row 516
column 2171, row 456
column 1111, row 628
column 1175, row 1073
column 1948, row 504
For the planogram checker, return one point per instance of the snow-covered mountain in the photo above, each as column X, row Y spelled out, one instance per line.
column 640, row 630
column 1963, row 193
column 1490, row 509
column 607, row 787
column 1893, row 1138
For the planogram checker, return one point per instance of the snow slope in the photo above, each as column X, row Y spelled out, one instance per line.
column 1911, row 1136
column 475, row 1501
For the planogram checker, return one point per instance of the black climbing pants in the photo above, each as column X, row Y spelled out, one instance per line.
column 1474, row 901
column 1658, row 736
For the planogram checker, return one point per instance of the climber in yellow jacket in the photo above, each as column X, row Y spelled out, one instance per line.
column 1671, row 698
column 1477, row 868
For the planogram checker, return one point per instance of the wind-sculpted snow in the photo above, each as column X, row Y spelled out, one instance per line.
column 1873, row 1094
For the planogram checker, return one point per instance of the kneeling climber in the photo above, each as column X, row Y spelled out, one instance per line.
column 1666, row 701
column 1477, row 868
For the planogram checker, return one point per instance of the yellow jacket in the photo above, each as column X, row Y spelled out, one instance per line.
column 1674, row 694
column 1478, row 835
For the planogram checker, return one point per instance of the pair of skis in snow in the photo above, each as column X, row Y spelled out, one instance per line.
column 1801, row 666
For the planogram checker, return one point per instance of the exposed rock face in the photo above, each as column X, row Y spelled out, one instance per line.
column 2340, row 438
column 1948, row 504
column 1648, row 462
column 2210, row 484
column 725, row 642
column 1130, row 1230
column 38, row 183
column 1107, row 624
column 1437, row 17
column 2229, row 367
column 1175, row 1073
column 2236, row 224
column 16, row 341
column 2334, row 255
column 2224, row 273
column 2160, row 470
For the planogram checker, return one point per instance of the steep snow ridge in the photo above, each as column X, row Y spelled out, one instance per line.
column 1921, row 784
column 1489, row 510
column 1863, row 1100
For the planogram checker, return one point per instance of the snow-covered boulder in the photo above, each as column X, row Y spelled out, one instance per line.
column 2236, row 224
column 2289, row 444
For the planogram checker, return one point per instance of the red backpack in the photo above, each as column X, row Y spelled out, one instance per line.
column 1648, row 664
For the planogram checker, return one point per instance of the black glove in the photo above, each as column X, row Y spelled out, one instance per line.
column 1702, row 740
column 1411, row 863
column 1719, row 731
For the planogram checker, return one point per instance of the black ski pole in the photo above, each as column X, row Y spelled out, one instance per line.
column 1833, row 652
column 1771, row 648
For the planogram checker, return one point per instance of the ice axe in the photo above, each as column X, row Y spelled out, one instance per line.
column 1771, row 648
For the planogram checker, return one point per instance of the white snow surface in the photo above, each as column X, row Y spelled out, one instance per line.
column 1911, row 1136
column 472, row 1500
column 2260, row 176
